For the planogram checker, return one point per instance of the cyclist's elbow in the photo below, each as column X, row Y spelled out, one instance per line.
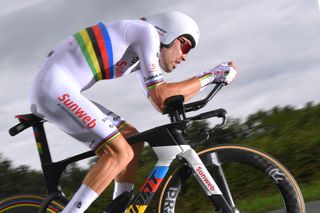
column 156, row 104
column 157, row 97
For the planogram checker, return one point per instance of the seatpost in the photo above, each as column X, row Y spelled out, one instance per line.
column 42, row 143
column 175, row 108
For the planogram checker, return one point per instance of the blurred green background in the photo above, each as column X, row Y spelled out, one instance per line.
column 290, row 135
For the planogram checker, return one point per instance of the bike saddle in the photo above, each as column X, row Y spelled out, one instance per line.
column 26, row 121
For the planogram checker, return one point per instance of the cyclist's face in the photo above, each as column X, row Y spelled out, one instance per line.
column 175, row 54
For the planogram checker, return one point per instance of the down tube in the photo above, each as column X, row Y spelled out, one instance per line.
column 150, row 186
column 165, row 154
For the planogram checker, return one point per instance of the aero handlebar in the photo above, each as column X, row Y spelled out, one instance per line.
column 200, row 104
column 176, row 110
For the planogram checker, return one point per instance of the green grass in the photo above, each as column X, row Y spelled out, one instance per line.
column 260, row 205
column 310, row 191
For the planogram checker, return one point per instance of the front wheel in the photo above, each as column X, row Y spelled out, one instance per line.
column 257, row 183
column 28, row 203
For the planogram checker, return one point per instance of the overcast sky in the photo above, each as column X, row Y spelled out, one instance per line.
column 276, row 45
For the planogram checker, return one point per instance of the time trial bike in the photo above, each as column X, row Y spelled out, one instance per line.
column 198, row 181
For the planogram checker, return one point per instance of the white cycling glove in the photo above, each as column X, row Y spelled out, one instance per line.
column 223, row 73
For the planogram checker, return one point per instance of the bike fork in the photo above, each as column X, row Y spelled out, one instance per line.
column 219, row 176
column 208, row 184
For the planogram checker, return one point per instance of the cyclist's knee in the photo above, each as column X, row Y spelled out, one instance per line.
column 128, row 130
column 119, row 151
column 126, row 155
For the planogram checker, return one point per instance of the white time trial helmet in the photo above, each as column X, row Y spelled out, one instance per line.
column 170, row 25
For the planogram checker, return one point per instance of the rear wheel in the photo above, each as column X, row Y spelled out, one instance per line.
column 264, row 184
column 28, row 203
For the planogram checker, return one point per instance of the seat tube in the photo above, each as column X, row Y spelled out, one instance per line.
column 42, row 143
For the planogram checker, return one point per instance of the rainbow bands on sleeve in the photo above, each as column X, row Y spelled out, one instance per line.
column 205, row 78
column 96, row 46
column 154, row 83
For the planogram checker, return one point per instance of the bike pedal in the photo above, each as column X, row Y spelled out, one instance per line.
column 120, row 204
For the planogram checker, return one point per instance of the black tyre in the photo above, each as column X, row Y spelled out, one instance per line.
column 264, row 184
column 28, row 203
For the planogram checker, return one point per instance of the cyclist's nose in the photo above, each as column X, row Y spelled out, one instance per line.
column 184, row 57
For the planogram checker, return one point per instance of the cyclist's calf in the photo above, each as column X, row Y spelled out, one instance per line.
column 128, row 175
column 114, row 158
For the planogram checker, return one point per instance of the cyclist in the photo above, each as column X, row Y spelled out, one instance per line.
column 108, row 51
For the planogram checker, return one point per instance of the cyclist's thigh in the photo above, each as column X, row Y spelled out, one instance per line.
column 117, row 120
column 63, row 104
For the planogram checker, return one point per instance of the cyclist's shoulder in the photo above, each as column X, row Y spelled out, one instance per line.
column 132, row 24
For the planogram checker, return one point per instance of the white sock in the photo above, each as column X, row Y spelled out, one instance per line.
column 120, row 187
column 81, row 200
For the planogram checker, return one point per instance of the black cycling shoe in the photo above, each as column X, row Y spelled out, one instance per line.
column 120, row 204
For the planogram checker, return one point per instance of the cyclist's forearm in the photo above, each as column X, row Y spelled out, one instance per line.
column 187, row 88
column 194, row 92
